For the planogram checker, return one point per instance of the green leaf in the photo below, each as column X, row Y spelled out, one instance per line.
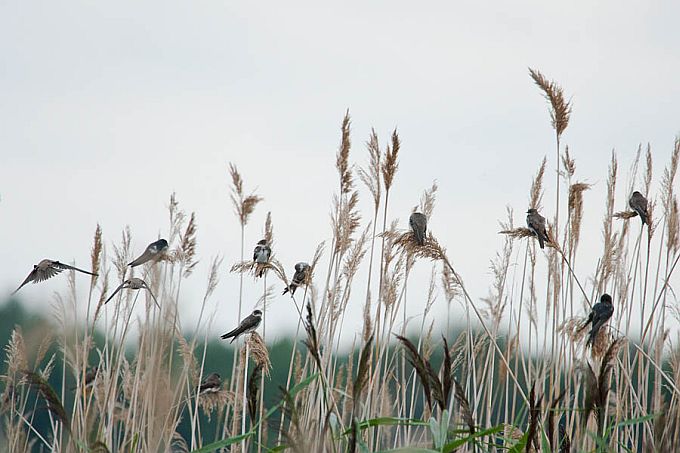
column 521, row 444
column 408, row 450
column 224, row 443
column 460, row 442
column 387, row 421
column 635, row 421
column 293, row 391
column 436, row 433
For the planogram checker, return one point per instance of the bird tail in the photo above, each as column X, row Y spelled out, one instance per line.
column 141, row 260
column 591, row 338
column 290, row 288
column 231, row 333
column 84, row 271
column 541, row 241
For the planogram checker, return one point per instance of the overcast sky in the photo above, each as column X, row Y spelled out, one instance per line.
column 106, row 108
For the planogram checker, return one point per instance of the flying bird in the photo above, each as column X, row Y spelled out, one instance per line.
column 261, row 256
column 418, row 223
column 599, row 315
column 638, row 203
column 153, row 252
column 211, row 384
column 299, row 278
column 133, row 283
column 536, row 223
column 47, row 269
column 249, row 324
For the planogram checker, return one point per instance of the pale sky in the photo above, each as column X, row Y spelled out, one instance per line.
column 107, row 108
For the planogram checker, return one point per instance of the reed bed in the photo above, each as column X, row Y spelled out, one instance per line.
column 516, row 378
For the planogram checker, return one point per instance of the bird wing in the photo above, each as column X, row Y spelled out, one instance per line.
column 143, row 258
column 31, row 277
column 639, row 204
column 256, row 252
column 588, row 321
column 121, row 286
column 233, row 333
column 62, row 266
column 43, row 274
column 151, row 293
column 248, row 323
column 418, row 224
column 536, row 223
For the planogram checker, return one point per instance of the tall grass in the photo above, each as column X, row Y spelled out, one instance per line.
column 512, row 380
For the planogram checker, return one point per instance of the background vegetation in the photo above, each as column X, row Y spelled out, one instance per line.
column 506, row 377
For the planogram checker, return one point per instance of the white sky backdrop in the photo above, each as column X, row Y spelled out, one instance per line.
column 108, row 107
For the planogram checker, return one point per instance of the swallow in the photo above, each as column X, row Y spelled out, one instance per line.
column 249, row 324
column 299, row 278
column 133, row 283
column 90, row 375
column 536, row 223
column 47, row 269
column 211, row 384
column 418, row 224
column 153, row 252
column 599, row 315
column 638, row 203
column 261, row 256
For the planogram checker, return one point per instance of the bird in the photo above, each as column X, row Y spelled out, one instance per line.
column 638, row 203
column 153, row 252
column 211, row 384
column 133, row 283
column 90, row 375
column 261, row 256
column 418, row 223
column 299, row 278
column 47, row 269
column 536, row 223
column 599, row 315
column 249, row 324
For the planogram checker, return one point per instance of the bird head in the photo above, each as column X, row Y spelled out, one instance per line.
column 162, row 243
column 257, row 313
column 532, row 211
column 299, row 267
column 636, row 193
column 606, row 299
column 262, row 242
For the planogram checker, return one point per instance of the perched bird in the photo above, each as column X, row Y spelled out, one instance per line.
column 638, row 203
column 299, row 278
column 599, row 315
column 418, row 224
column 153, row 251
column 90, row 375
column 47, row 269
column 133, row 283
column 211, row 384
column 536, row 223
column 261, row 256
column 249, row 324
